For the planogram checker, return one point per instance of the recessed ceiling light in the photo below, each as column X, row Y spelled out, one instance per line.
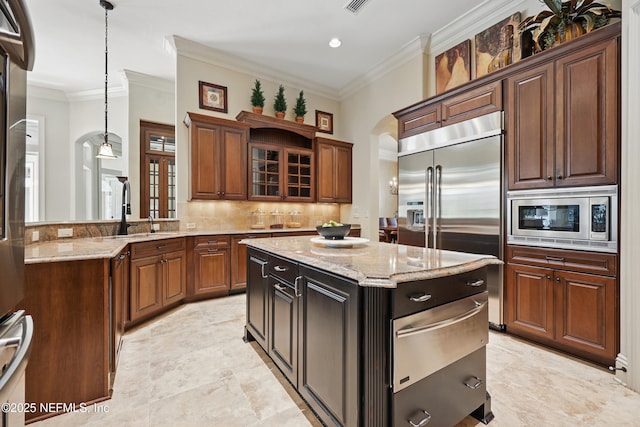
column 335, row 42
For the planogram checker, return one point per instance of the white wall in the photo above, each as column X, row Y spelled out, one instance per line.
column 387, row 203
column 398, row 87
column 629, row 356
column 53, row 106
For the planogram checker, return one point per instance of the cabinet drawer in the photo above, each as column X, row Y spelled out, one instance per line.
column 476, row 102
column 412, row 297
column 157, row 247
column 559, row 259
column 211, row 242
column 283, row 269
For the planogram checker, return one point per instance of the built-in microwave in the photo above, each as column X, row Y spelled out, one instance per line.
column 573, row 218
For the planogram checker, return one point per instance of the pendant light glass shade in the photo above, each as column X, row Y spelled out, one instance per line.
column 106, row 150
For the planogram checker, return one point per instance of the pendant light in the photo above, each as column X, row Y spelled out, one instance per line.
column 106, row 150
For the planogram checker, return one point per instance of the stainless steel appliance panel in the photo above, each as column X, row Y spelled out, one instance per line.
column 583, row 218
column 430, row 340
column 412, row 202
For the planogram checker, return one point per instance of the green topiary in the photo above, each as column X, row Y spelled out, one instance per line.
column 301, row 105
column 280, row 103
column 257, row 97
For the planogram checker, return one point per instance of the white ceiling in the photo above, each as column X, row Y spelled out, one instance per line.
column 287, row 35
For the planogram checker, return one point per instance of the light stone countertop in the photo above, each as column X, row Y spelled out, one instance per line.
column 374, row 264
column 109, row 246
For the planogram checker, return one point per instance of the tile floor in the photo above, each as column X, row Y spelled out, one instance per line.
column 190, row 367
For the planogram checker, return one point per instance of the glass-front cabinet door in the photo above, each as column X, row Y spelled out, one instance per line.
column 264, row 181
column 280, row 173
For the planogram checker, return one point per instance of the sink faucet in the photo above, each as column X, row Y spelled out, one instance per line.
column 126, row 204
column 151, row 230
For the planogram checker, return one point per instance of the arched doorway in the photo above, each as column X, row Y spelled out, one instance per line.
column 96, row 187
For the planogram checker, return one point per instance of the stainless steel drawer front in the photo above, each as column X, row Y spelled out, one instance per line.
column 427, row 341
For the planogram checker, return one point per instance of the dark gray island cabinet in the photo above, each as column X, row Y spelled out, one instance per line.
column 374, row 335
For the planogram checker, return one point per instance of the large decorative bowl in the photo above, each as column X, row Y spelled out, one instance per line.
column 334, row 233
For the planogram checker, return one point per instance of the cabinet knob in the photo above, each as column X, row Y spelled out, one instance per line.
column 548, row 277
column 557, row 279
column 548, row 177
column 559, row 177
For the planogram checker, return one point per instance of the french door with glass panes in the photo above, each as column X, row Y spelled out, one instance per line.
column 158, row 170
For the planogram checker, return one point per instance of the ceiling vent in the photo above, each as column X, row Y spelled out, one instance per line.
column 354, row 6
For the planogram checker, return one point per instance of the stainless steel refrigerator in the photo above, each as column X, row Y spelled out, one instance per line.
column 16, row 328
column 450, row 194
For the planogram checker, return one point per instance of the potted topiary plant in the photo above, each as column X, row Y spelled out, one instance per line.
column 301, row 108
column 565, row 21
column 280, row 103
column 257, row 98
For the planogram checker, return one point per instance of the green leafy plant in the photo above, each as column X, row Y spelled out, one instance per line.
column 301, row 106
column 280, row 103
column 257, row 97
column 566, row 20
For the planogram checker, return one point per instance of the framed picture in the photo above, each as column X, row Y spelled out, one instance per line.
column 453, row 67
column 324, row 121
column 212, row 97
column 498, row 46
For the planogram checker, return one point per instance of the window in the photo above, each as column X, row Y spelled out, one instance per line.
column 157, row 170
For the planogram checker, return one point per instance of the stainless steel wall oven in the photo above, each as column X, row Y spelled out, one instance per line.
column 570, row 218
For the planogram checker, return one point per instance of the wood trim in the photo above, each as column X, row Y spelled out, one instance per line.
column 261, row 121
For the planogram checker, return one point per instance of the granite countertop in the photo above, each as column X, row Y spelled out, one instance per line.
column 374, row 263
column 109, row 246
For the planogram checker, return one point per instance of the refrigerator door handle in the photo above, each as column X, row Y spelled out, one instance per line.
column 429, row 217
column 437, row 187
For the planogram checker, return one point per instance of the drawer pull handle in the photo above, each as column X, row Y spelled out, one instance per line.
column 473, row 383
column 280, row 287
column 160, row 247
column 419, row 419
column 212, row 250
column 212, row 241
column 420, row 298
column 476, row 283
column 280, row 269
column 554, row 258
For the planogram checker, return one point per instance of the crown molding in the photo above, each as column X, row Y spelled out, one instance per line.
column 478, row 19
column 408, row 52
column 43, row 92
column 129, row 77
column 94, row 94
column 199, row 52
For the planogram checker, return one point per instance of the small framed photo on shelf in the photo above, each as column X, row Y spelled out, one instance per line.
column 212, row 97
column 324, row 121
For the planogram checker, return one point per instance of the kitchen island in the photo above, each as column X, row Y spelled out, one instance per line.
column 375, row 334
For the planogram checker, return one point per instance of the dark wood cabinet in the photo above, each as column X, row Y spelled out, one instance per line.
column 218, row 157
column 158, row 276
column 210, row 266
column 328, row 346
column 334, row 170
column 283, row 327
column 69, row 361
column 307, row 321
column 239, row 259
column 562, row 120
column 554, row 297
column 449, row 108
column 257, row 296
column 119, row 303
